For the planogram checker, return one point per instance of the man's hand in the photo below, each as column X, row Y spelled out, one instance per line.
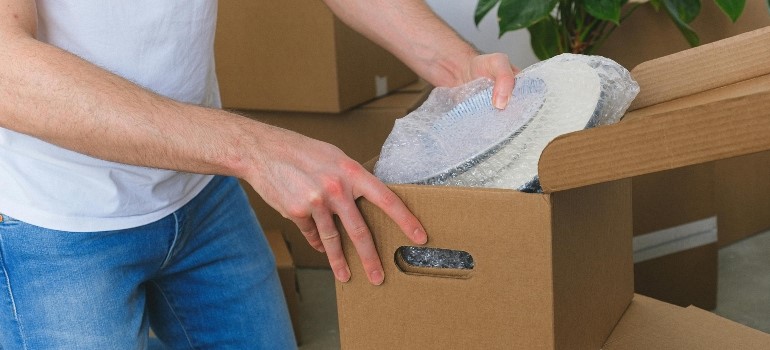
column 411, row 31
column 310, row 181
column 496, row 67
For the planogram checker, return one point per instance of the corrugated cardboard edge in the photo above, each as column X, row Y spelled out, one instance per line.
column 703, row 68
column 714, row 131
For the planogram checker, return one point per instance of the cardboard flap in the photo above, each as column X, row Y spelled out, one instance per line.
column 703, row 68
column 652, row 324
column 699, row 134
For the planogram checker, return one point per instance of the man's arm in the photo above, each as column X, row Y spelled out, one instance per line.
column 55, row 96
column 411, row 31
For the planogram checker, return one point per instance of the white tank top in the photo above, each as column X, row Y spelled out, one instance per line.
column 165, row 46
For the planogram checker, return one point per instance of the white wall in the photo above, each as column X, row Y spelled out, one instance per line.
column 459, row 15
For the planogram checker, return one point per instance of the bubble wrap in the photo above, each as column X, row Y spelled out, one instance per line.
column 458, row 138
column 440, row 258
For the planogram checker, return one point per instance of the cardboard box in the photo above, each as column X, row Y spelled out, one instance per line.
column 743, row 196
column 360, row 133
column 288, row 275
column 675, row 236
column 651, row 324
column 295, row 55
column 553, row 270
column 742, row 187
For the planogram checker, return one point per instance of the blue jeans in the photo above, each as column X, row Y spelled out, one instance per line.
column 202, row 277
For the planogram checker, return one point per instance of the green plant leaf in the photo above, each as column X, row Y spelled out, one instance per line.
column 518, row 14
column 482, row 8
column 656, row 4
column 732, row 8
column 685, row 10
column 687, row 31
column 608, row 10
column 544, row 38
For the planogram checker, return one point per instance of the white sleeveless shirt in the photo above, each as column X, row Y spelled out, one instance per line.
column 165, row 46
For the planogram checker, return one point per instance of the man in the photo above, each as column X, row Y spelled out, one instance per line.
column 108, row 121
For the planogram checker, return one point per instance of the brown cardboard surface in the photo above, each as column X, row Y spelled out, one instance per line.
column 418, row 86
column 294, row 55
column 360, row 133
column 672, row 198
column 651, row 324
column 685, row 278
column 717, row 130
column 526, row 268
column 590, row 259
column 402, row 98
column 743, row 57
column 669, row 199
column 288, row 276
column 743, row 196
column 743, row 88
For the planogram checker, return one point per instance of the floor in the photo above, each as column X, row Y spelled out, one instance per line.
column 743, row 295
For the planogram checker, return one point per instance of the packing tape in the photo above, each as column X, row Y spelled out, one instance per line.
column 675, row 239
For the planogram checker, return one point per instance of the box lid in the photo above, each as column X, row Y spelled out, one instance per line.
column 703, row 68
column 725, row 123
column 652, row 324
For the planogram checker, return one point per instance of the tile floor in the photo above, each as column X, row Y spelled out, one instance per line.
column 743, row 295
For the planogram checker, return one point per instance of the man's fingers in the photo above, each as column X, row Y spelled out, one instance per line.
column 330, row 238
column 380, row 195
column 362, row 240
column 308, row 228
column 505, row 77
column 497, row 67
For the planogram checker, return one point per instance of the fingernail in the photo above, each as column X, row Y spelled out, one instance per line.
column 343, row 274
column 321, row 249
column 376, row 277
column 501, row 101
column 420, row 236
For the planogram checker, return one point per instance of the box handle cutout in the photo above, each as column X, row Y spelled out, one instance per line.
column 435, row 262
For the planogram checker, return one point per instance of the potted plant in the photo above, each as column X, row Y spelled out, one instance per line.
column 582, row 26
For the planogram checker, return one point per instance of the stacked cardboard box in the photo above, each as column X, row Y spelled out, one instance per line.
column 295, row 55
column 288, row 276
column 555, row 270
column 359, row 132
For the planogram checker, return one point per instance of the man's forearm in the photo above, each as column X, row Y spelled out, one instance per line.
column 410, row 30
column 57, row 97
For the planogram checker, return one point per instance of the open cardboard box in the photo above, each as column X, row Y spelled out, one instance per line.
column 554, row 270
